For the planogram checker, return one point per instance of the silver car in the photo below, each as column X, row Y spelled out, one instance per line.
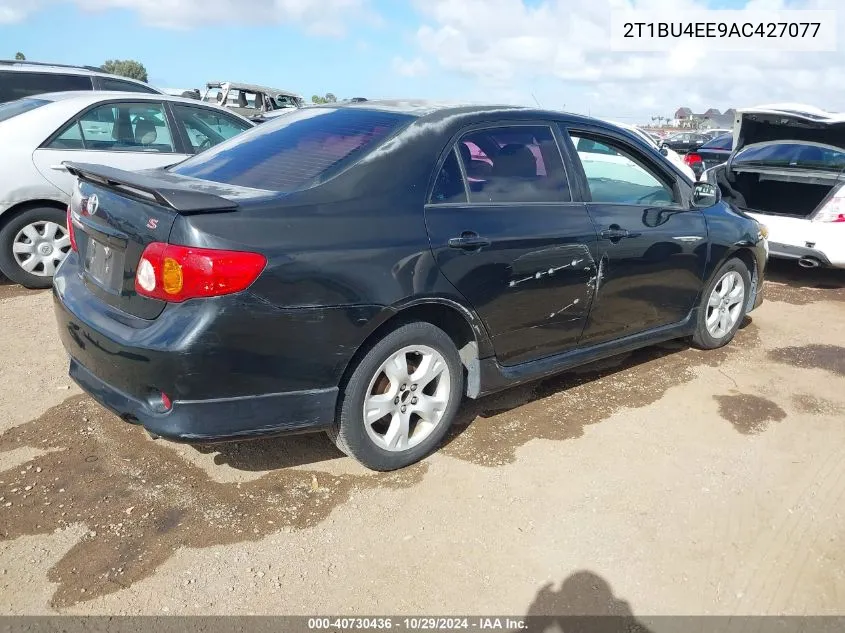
column 124, row 130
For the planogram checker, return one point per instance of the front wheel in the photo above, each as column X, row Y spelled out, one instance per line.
column 723, row 306
column 401, row 398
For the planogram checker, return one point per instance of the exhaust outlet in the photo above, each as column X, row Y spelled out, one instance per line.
column 809, row 262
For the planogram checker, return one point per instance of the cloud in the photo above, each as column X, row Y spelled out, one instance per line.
column 11, row 11
column 317, row 17
column 562, row 51
column 409, row 67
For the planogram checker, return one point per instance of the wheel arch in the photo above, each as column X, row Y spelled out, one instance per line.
column 459, row 322
column 745, row 254
column 21, row 207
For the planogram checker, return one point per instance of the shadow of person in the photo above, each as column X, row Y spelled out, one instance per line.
column 584, row 604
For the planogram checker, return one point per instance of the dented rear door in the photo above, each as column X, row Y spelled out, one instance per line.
column 516, row 246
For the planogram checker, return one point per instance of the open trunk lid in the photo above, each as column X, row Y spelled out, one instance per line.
column 788, row 122
column 116, row 214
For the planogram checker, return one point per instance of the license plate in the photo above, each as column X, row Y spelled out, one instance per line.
column 104, row 265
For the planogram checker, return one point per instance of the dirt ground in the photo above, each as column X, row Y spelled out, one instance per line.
column 667, row 481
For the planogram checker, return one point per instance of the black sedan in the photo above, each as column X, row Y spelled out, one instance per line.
column 716, row 152
column 359, row 269
column 683, row 142
column 712, row 153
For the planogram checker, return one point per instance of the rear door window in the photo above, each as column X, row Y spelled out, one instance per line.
column 17, row 85
column 296, row 150
column 520, row 163
column 118, row 127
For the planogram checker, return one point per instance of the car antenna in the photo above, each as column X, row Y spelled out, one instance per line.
column 535, row 100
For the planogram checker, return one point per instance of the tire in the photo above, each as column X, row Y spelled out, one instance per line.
column 39, row 219
column 733, row 308
column 421, row 345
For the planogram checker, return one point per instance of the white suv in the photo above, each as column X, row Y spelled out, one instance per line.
column 19, row 79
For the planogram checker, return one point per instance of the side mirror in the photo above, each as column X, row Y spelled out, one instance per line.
column 664, row 150
column 705, row 195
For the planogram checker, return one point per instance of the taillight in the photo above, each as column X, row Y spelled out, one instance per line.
column 177, row 273
column 691, row 158
column 834, row 209
column 70, row 232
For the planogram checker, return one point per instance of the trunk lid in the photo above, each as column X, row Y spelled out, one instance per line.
column 788, row 122
column 117, row 213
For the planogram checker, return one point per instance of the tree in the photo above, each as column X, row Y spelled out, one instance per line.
column 20, row 56
column 126, row 68
column 329, row 98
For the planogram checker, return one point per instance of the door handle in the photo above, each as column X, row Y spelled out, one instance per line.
column 58, row 167
column 615, row 234
column 468, row 241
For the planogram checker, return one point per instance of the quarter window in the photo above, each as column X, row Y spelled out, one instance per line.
column 206, row 128
column 514, row 164
column 118, row 127
column 616, row 174
column 449, row 186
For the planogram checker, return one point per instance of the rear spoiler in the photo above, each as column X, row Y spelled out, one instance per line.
column 181, row 200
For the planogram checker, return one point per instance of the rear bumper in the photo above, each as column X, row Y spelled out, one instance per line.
column 232, row 368
column 220, row 419
column 789, row 251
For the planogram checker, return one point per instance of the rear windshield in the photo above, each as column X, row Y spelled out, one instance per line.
column 725, row 141
column 293, row 152
column 14, row 108
column 797, row 155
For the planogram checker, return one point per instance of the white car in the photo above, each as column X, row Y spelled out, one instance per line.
column 124, row 130
column 787, row 171
column 672, row 155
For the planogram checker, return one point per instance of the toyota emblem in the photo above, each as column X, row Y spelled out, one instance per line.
column 93, row 204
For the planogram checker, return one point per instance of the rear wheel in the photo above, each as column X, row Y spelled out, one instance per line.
column 32, row 245
column 401, row 398
column 723, row 306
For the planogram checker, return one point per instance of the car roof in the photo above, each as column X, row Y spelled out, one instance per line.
column 89, row 97
column 434, row 111
column 63, row 69
column 104, row 95
column 234, row 85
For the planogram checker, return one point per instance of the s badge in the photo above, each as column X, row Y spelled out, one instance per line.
column 152, row 223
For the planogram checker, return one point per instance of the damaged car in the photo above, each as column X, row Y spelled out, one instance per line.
column 786, row 171
column 257, row 103
column 359, row 269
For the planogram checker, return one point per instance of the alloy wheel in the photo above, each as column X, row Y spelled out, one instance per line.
column 407, row 397
column 724, row 307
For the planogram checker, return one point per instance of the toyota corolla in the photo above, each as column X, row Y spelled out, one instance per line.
column 360, row 269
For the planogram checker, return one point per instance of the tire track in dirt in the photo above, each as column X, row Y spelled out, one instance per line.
column 141, row 502
column 488, row 431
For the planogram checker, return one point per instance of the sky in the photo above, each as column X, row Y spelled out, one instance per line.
column 552, row 52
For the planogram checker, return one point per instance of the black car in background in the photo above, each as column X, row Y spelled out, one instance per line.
column 359, row 269
column 710, row 154
column 684, row 142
